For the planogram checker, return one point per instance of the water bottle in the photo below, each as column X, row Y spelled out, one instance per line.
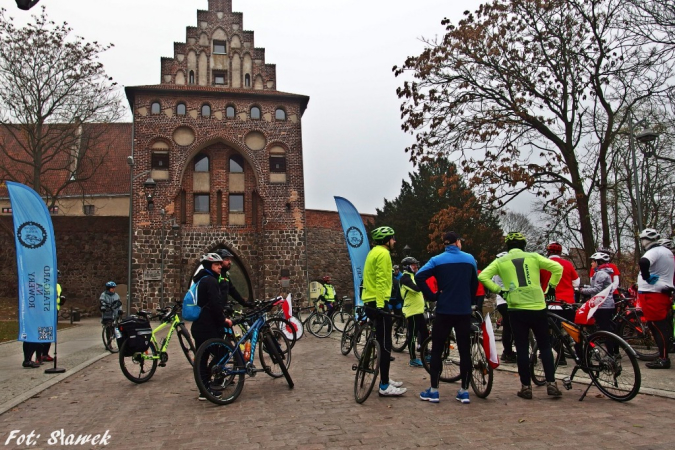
column 247, row 351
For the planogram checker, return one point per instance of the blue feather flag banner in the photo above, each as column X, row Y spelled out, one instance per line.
column 357, row 242
column 36, row 261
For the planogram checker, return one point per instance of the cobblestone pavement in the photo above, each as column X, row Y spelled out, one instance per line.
column 321, row 412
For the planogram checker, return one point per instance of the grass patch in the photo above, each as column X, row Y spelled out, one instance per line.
column 9, row 330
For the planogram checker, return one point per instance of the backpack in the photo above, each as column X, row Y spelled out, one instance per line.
column 191, row 310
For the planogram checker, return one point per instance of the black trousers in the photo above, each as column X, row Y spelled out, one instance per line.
column 507, row 333
column 383, row 336
column 417, row 327
column 522, row 321
column 443, row 325
column 661, row 331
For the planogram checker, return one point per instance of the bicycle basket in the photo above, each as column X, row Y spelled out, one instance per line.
column 137, row 332
column 573, row 331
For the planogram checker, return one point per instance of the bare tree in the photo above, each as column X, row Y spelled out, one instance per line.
column 529, row 96
column 515, row 221
column 52, row 86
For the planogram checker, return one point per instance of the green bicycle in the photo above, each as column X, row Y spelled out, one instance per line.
column 140, row 353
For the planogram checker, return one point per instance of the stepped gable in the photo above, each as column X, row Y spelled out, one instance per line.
column 218, row 52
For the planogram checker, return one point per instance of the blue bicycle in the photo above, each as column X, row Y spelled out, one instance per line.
column 221, row 365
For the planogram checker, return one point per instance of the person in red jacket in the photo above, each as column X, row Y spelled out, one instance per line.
column 564, row 292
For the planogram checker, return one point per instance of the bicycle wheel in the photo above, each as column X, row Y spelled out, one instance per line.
column 362, row 333
column 399, row 334
column 288, row 328
column 219, row 371
column 536, row 367
column 186, row 343
column 319, row 325
column 138, row 367
column 276, row 356
column 613, row 366
column 638, row 335
column 449, row 359
column 481, row 371
column 347, row 339
column 109, row 340
column 283, row 347
column 367, row 371
column 340, row 319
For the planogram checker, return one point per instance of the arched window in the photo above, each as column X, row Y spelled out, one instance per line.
column 201, row 163
column 206, row 111
column 236, row 164
column 155, row 108
column 280, row 114
column 247, row 80
column 181, row 109
column 191, row 77
column 230, row 112
column 255, row 113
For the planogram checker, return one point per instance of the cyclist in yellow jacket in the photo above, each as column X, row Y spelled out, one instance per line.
column 519, row 271
column 377, row 282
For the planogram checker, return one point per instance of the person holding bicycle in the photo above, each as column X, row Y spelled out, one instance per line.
column 457, row 278
column 413, row 308
column 655, row 286
column 602, row 277
column 519, row 271
column 110, row 302
column 377, row 285
column 211, row 321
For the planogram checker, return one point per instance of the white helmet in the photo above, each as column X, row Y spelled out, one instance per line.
column 667, row 243
column 600, row 256
column 650, row 233
column 499, row 255
column 211, row 257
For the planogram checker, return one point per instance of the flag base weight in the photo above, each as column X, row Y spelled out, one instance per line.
column 55, row 370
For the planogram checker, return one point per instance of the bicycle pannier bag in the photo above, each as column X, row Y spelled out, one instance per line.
column 136, row 331
column 191, row 310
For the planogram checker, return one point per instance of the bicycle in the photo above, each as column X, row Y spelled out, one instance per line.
column 140, row 366
column 631, row 327
column 601, row 354
column 338, row 316
column 222, row 365
column 318, row 323
column 108, row 328
column 352, row 328
column 482, row 373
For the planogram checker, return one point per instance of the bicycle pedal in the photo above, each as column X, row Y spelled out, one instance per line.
column 354, row 367
column 567, row 383
column 162, row 364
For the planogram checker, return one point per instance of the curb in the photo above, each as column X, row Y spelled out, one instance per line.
column 49, row 383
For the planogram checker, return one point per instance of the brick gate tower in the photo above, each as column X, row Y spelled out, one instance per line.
column 217, row 163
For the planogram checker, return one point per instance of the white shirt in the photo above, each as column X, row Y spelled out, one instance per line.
column 661, row 263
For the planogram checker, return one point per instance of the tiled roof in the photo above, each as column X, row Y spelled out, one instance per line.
column 112, row 146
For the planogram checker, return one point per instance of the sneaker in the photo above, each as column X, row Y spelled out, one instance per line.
column 38, row 361
column 659, row 363
column 416, row 363
column 47, row 358
column 552, row 389
column 202, row 397
column 396, row 384
column 429, row 396
column 463, row 396
column 509, row 358
column 525, row 392
column 392, row 391
column 30, row 365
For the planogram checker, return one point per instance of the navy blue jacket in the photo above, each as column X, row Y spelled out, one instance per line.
column 457, row 278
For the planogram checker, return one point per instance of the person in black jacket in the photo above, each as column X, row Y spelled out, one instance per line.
column 211, row 321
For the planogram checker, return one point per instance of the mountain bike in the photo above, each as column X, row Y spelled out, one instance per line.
column 140, row 365
column 109, row 323
column 608, row 360
column 222, row 364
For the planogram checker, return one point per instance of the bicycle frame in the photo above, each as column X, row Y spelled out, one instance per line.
column 173, row 324
column 252, row 333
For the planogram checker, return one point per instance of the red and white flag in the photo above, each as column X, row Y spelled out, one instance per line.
column 287, row 307
column 489, row 344
column 584, row 315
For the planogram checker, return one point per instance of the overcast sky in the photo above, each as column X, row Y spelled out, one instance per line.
column 340, row 53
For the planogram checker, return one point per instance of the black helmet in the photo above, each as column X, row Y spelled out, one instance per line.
column 408, row 260
column 224, row 253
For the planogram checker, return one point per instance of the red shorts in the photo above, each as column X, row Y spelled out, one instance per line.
column 655, row 305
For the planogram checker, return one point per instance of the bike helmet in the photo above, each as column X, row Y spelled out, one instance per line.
column 499, row 255
column 651, row 234
column 326, row 279
column 210, row 258
column 110, row 284
column 515, row 236
column 224, row 253
column 408, row 260
column 554, row 248
column 667, row 243
column 382, row 234
column 600, row 256
column 606, row 250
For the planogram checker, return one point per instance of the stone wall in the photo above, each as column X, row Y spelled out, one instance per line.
column 90, row 251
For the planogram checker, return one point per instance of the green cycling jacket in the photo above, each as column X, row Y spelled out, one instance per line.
column 377, row 279
column 519, row 272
